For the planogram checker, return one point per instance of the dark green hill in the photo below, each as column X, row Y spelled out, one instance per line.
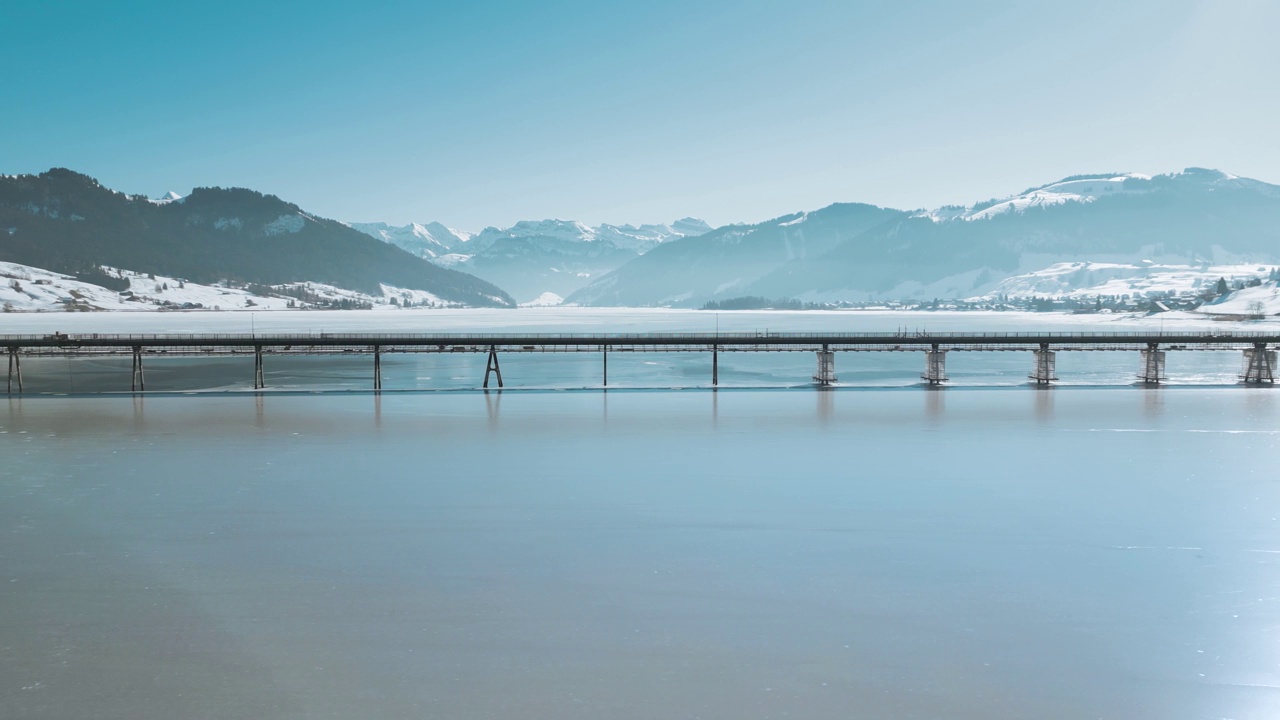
column 64, row 221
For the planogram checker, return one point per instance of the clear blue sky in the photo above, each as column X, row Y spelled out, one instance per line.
column 484, row 113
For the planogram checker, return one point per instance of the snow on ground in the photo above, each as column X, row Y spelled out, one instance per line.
column 1090, row 279
column 1263, row 299
column 1077, row 190
column 29, row 289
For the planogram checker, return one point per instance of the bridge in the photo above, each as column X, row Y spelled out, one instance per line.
column 1259, row 355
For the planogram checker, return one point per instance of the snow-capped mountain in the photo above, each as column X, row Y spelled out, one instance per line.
column 535, row 260
column 167, row 198
column 1117, row 220
column 727, row 260
column 644, row 238
column 1193, row 217
column 430, row 241
column 1079, row 188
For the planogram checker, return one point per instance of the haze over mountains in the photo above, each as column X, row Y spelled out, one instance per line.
column 1105, row 226
column 535, row 259
column 67, row 222
column 858, row 252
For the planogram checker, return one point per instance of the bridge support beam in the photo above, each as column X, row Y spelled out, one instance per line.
column 715, row 365
column 259, row 379
column 604, row 359
column 935, row 366
column 826, row 373
column 139, row 383
column 1044, row 369
column 377, row 367
column 1152, row 369
column 15, row 369
column 1259, row 365
column 492, row 367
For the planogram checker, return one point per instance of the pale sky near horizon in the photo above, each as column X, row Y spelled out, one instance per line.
column 485, row 113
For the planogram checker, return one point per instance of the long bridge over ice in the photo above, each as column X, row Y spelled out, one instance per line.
column 1257, row 348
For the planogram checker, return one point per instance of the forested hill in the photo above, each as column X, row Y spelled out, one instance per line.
column 65, row 221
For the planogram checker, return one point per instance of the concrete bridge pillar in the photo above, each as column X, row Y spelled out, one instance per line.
column 1044, row 369
column 1152, row 370
column 1259, row 365
column 826, row 373
column 935, row 366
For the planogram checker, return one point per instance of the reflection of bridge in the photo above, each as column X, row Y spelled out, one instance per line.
column 1259, row 358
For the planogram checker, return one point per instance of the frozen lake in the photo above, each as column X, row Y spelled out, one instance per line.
column 983, row 551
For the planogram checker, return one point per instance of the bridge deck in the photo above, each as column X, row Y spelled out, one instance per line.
column 326, row 343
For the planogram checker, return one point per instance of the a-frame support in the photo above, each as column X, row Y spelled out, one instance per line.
column 492, row 366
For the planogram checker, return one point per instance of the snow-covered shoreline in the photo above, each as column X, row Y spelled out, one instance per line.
column 577, row 319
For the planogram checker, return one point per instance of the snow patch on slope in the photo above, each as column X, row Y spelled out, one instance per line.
column 285, row 224
column 1073, row 190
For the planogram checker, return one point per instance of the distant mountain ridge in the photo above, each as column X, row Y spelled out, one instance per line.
column 534, row 259
column 727, row 261
column 860, row 252
column 67, row 222
column 428, row 241
column 1050, row 237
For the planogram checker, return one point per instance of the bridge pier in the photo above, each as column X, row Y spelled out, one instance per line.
column 492, row 366
column 15, row 368
column 604, row 359
column 1044, row 370
column 1259, row 365
column 377, row 367
column 139, row 382
column 935, row 366
column 715, row 365
column 826, row 373
column 1152, row 370
column 259, row 379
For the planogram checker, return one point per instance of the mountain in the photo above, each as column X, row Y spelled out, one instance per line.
column 67, row 222
column 1193, row 217
column 864, row 253
column 644, row 238
column 726, row 261
column 535, row 260
column 428, row 241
